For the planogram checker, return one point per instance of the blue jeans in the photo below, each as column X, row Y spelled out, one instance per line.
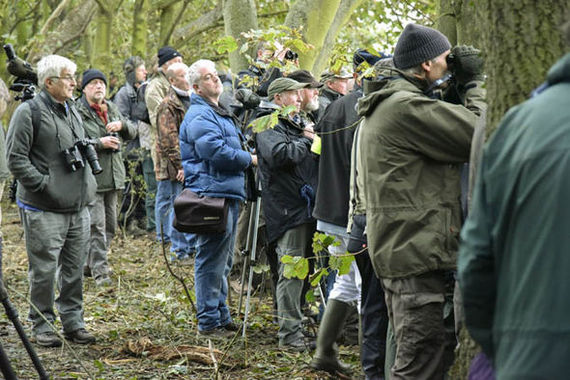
column 214, row 253
column 150, row 194
column 182, row 243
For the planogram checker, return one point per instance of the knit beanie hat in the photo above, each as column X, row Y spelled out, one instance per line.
column 91, row 74
column 166, row 53
column 418, row 44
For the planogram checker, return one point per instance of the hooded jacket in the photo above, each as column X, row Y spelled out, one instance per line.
column 412, row 147
column 513, row 262
column 288, row 170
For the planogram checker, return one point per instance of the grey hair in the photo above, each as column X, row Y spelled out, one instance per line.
column 172, row 69
column 194, row 70
column 52, row 66
column 413, row 70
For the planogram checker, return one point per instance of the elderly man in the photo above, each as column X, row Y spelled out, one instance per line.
column 289, row 183
column 169, row 172
column 412, row 147
column 107, row 126
column 155, row 92
column 309, row 96
column 214, row 164
column 335, row 86
column 52, row 196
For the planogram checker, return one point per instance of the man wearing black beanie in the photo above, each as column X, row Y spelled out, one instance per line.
column 413, row 144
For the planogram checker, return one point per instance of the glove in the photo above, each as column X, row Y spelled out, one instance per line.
column 466, row 64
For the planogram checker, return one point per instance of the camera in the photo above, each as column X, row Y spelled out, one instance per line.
column 291, row 55
column 450, row 59
column 82, row 149
column 26, row 77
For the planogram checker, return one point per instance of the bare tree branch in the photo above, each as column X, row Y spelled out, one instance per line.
column 55, row 14
column 202, row 23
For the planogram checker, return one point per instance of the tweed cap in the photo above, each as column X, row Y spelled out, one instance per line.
column 342, row 74
column 418, row 44
column 280, row 85
column 305, row 76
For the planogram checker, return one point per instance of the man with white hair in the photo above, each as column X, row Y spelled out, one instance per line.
column 53, row 192
column 214, row 163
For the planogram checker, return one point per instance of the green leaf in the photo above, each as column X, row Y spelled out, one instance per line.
column 310, row 296
column 295, row 266
column 341, row 263
column 316, row 277
column 225, row 44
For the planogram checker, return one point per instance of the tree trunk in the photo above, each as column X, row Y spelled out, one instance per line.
column 316, row 17
column 447, row 20
column 140, row 28
column 345, row 10
column 239, row 16
column 102, row 43
column 521, row 39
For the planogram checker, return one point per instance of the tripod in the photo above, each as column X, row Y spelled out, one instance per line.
column 12, row 314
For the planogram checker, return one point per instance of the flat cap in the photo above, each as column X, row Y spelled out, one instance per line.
column 280, row 85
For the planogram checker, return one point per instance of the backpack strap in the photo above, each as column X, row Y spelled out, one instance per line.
column 36, row 118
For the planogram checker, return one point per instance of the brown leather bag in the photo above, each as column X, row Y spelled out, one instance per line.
column 200, row 214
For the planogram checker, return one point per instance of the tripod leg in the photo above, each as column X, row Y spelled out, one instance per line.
column 5, row 366
column 248, row 243
column 253, row 254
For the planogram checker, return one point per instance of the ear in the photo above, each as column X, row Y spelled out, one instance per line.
column 427, row 66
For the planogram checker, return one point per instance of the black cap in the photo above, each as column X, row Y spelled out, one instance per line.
column 418, row 44
column 166, row 53
column 304, row 76
column 89, row 75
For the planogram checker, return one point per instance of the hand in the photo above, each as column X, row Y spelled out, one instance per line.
column 467, row 64
column 114, row 126
column 254, row 159
column 180, row 175
column 110, row 142
column 309, row 132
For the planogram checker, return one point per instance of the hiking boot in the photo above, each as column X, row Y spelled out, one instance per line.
column 299, row 345
column 330, row 364
column 232, row 326
column 103, row 281
column 217, row 332
column 80, row 336
column 48, row 339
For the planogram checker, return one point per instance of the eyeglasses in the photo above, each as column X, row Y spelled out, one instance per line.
column 69, row 78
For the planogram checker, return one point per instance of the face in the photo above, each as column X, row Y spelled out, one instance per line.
column 436, row 68
column 289, row 98
column 140, row 74
column 61, row 87
column 179, row 80
column 95, row 91
column 339, row 85
column 209, row 87
column 309, row 99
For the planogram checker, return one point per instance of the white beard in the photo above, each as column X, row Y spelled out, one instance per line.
column 313, row 105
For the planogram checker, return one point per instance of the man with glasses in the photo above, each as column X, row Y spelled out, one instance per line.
column 52, row 196
column 214, row 163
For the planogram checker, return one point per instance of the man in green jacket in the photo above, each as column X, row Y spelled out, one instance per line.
column 412, row 146
column 52, row 195
column 513, row 263
column 104, row 123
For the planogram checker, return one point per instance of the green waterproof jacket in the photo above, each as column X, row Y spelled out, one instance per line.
column 514, row 261
column 113, row 175
column 412, row 147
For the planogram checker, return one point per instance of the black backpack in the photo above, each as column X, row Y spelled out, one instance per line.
column 140, row 112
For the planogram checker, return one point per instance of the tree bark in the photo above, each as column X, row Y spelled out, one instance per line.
column 345, row 10
column 239, row 16
column 140, row 28
column 316, row 17
column 202, row 23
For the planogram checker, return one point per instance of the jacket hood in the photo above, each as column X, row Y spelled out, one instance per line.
column 560, row 72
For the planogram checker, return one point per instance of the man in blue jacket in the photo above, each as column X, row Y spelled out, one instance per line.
column 214, row 162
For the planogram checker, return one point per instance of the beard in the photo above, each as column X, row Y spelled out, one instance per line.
column 313, row 105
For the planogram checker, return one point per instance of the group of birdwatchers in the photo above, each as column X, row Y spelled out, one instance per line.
column 387, row 157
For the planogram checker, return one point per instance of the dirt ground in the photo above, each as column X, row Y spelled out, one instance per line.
column 145, row 325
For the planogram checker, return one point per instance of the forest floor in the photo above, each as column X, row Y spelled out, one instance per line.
column 145, row 325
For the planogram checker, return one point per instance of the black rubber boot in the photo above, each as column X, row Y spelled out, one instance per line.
column 332, row 325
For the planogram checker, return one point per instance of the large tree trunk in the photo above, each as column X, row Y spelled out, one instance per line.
column 345, row 10
column 521, row 39
column 316, row 17
column 239, row 16
column 102, row 43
